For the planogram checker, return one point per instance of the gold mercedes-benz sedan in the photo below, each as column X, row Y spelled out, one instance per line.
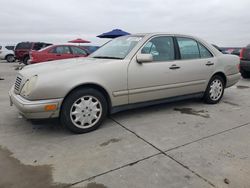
column 127, row 72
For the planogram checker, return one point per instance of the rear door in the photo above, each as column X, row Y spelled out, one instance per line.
column 197, row 64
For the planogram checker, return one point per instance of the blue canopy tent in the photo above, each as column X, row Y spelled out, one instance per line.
column 113, row 34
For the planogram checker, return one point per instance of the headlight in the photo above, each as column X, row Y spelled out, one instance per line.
column 28, row 86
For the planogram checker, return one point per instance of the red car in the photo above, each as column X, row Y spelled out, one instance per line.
column 56, row 52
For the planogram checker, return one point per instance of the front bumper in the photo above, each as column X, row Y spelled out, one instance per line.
column 35, row 109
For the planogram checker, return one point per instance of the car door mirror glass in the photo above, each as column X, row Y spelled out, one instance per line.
column 144, row 58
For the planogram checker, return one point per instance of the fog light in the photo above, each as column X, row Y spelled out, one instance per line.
column 50, row 107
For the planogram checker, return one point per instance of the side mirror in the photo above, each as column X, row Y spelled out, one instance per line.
column 144, row 58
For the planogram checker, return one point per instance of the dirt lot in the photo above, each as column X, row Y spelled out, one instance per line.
column 179, row 145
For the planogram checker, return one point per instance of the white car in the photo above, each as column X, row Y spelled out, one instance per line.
column 6, row 54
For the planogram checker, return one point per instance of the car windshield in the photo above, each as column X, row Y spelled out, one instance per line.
column 117, row 48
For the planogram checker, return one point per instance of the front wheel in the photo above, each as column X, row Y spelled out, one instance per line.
column 83, row 110
column 215, row 90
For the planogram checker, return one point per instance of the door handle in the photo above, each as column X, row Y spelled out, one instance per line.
column 173, row 67
column 58, row 54
column 209, row 63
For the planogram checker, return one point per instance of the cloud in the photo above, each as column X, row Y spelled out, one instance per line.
column 223, row 22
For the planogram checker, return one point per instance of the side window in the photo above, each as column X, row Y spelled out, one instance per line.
column 78, row 51
column 53, row 50
column 149, row 48
column 61, row 50
column 162, row 48
column 188, row 48
column 204, row 53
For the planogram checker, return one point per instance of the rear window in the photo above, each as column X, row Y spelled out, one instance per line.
column 10, row 47
column 204, row 53
column 91, row 49
column 24, row 45
column 78, row 51
column 191, row 49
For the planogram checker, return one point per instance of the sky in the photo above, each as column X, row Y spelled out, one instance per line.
column 222, row 22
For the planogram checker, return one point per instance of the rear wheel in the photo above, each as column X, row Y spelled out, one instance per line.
column 10, row 58
column 83, row 110
column 215, row 90
column 25, row 60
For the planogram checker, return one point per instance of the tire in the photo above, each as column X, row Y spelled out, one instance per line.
column 10, row 58
column 245, row 74
column 215, row 90
column 25, row 60
column 79, row 114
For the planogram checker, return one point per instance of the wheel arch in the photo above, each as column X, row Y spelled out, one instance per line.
column 221, row 74
column 94, row 86
column 8, row 55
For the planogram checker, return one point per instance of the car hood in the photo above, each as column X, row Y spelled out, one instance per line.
column 61, row 65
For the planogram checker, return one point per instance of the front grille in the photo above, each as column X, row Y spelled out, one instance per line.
column 18, row 83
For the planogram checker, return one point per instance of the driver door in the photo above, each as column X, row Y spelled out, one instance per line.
column 149, row 81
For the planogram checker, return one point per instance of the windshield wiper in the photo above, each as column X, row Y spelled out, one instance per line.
column 107, row 57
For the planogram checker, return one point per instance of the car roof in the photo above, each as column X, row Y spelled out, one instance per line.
column 162, row 33
column 54, row 45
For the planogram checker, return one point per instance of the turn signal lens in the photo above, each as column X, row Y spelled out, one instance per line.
column 50, row 107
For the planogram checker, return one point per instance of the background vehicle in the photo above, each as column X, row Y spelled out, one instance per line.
column 91, row 49
column 245, row 62
column 128, row 72
column 230, row 50
column 10, row 48
column 236, row 51
column 56, row 52
column 6, row 54
column 23, row 49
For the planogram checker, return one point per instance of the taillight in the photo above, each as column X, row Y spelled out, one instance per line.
column 241, row 52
